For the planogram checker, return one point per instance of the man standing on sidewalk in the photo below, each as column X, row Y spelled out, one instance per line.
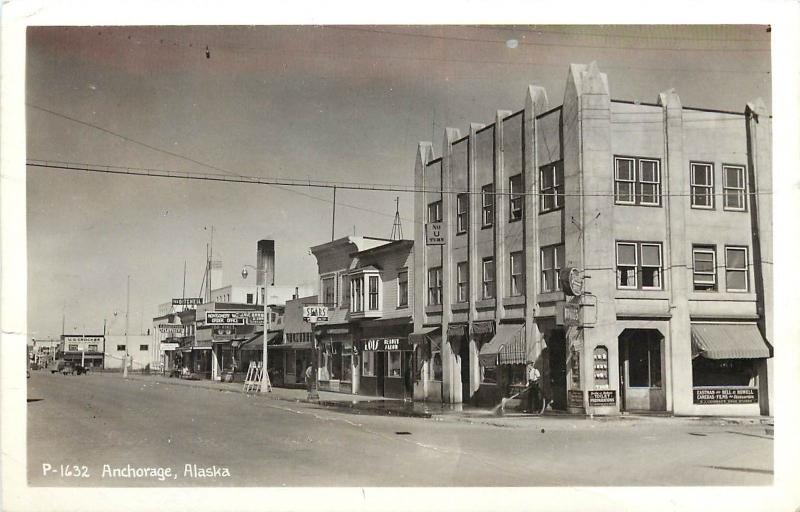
column 534, row 391
column 309, row 375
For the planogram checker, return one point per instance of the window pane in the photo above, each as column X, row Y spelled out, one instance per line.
column 704, row 262
column 393, row 368
column 655, row 363
column 638, row 364
column 626, row 276
column 626, row 254
column 515, row 184
column 488, row 270
column 559, row 256
column 651, row 277
column 548, row 257
column 649, row 171
column 736, row 280
column 625, row 169
column 625, row 192
column 735, row 258
column 547, row 178
column 651, row 255
column 701, row 175
column 649, row 193
column 734, row 177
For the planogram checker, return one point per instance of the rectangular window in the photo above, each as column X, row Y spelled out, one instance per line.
column 516, row 198
column 249, row 298
column 639, row 265
column 734, row 188
column 92, row 348
column 517, row 266
column 488, row 375
column 73, row 348
column 368, row 363
column 552, row 263
column 347, row 367
column 551, row 187
column 462, row 213
column 435, row 286
column 142, row 348
column 374, row 303
column 393, row 368
column 723, row 372
column 488, row 278
column 436, row 366
column 702, row 186
column 345, row 289
column 487, row 205
column 637, row 181
column 435, row 211
column 402, row 289
column 329, row 291
column 462, row 282
column 704, row 273
column 120, row 348
column 736, row 269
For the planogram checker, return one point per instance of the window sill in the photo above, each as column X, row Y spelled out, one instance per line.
column 514, row 300
column 404, row 306
column 460, row 306
column 734, row 210
column 485, row 304
column 459, row 233
column 544, row 212
column 487, row 226
column 433, row 309
column 644, row 205
column 550, row 296
column 510, row 220
column 706, row 208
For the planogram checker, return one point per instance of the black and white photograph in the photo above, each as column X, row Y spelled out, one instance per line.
column 457, row 263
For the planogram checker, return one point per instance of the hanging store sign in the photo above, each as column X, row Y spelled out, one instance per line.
column 187, row 301
column 714, row 396
column 385, row 344
column 171, row 328
column 315, row 314
column 253, row 317
column 434, row 233
column 603, row 397
column 224, row 318
column 571, row 281
column 568, row 314
column 166, row 347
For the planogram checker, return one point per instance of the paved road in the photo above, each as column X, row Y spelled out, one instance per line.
column 98, row 420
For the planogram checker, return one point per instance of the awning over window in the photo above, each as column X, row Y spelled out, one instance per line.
column 426, row 341
column 506, row 347
column 728, row 341
column 483, row 331
column 457, row 331
column 257, row 342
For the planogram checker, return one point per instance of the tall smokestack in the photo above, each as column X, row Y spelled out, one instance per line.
column 266, row 255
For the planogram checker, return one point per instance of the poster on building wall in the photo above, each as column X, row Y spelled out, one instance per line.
column 603, row 397
column 575, row 399
column 434, row 233
column 715, row 396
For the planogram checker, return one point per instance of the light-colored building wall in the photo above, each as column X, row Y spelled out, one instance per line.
column 137, row 347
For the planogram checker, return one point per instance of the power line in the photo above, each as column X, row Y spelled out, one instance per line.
column 531, row 30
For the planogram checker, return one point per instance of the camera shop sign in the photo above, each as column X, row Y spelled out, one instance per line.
column 385, row 344
column 714, row 396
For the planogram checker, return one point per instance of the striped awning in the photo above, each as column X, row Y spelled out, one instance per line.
column 506, row 347
column 728, row 341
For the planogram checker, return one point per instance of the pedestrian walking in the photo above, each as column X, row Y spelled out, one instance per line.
column 309, row 378
column 534, row 389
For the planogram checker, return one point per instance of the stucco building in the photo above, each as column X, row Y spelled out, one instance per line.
column 654, row 218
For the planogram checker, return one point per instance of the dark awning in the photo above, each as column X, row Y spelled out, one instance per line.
column 426, row 341
column 424, row 334
column 728, row 341
column 483, row 331
column 457, row 331
column 257, row 342
column 506, row 347
column 300, row 345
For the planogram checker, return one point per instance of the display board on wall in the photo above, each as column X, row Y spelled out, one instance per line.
column 725, row 395
column 575, row 399
column 603, row 397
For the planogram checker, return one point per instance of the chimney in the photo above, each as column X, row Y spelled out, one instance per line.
column 296, row 293
column 265, row 255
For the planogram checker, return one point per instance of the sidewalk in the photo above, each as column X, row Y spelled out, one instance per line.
column 360, row 404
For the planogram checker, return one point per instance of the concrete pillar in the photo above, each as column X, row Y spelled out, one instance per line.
column 501, row 207
column 453, row 367
column 677, row 254
column 473, row 262
column 424, row 155
column 535, row 104
column 215, row 373
column 589, row 222
column 759, row 156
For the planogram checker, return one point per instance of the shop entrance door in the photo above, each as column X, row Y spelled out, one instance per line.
column 557, row 350
column 463, row 355
column 380, row 372
column 408, row 376
column 640, row 370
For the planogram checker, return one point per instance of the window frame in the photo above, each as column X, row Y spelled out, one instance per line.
column 462, row 215
column 709, row 187
column 402, row 292
column 635, row 265
column 484, row 282
column 558, row 249
column 709, row 249
column 639, row 266
column 516, row 198
column 435, row 290
column 459, row 283
column 373, row 294
column 745, row 270
column 323, row 280
column 435, row 211
column 146, row 347
column 516, row 281
column 556, row 191
column 740, row 192
column 637, row 181
column 487, row 206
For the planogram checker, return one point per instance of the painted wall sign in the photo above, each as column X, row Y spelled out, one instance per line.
column 721, row 395
column 69, row 338
column 386, row 344
column 224, row 318
column 434, row 233
column 603, row 397
column 187, row 301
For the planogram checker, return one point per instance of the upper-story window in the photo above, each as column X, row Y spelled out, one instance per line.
column 462, row 282
column 462, row 213
column 357, row 295
column 363, row 282
column 344, row 286
column 734, row 188
column 517, row 266
column 704, row 268
column 702, row 185
column 637, row 181
column 374, row 291
column 487, row 205
column 435, row 286
column 551, row 187
column 249, row 298
column 552, row 263
column 435, row 211
column 73, row 347
column 92, row 348
column 488, row 278
column 736, row 269
column 402, row 289
column 329, row 291
column 639, row 265
column 516, row 197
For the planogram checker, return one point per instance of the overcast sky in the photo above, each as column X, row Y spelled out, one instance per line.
column 328, row 103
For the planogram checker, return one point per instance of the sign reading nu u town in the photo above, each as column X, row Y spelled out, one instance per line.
column 434, row 233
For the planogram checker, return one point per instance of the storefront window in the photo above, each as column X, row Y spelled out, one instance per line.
column 336, row 361
column 488, row 375
column 347, row 368
column 368, row 364
column 436, row 366
column 517, row 375
column 723, row 372
column 393, row 368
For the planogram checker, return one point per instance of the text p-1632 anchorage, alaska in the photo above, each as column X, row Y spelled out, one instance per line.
column 133, row 472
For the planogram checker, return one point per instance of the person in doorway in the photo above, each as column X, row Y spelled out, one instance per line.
column 534, row 389
column 309, row 375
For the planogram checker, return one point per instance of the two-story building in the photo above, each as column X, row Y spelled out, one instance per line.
column 623, row 248
column 83, row 349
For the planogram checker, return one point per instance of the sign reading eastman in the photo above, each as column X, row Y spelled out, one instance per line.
column 713, row 396
column 603, row 397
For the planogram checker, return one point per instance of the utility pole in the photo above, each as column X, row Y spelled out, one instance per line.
column 333, row 220
column 127, row 310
